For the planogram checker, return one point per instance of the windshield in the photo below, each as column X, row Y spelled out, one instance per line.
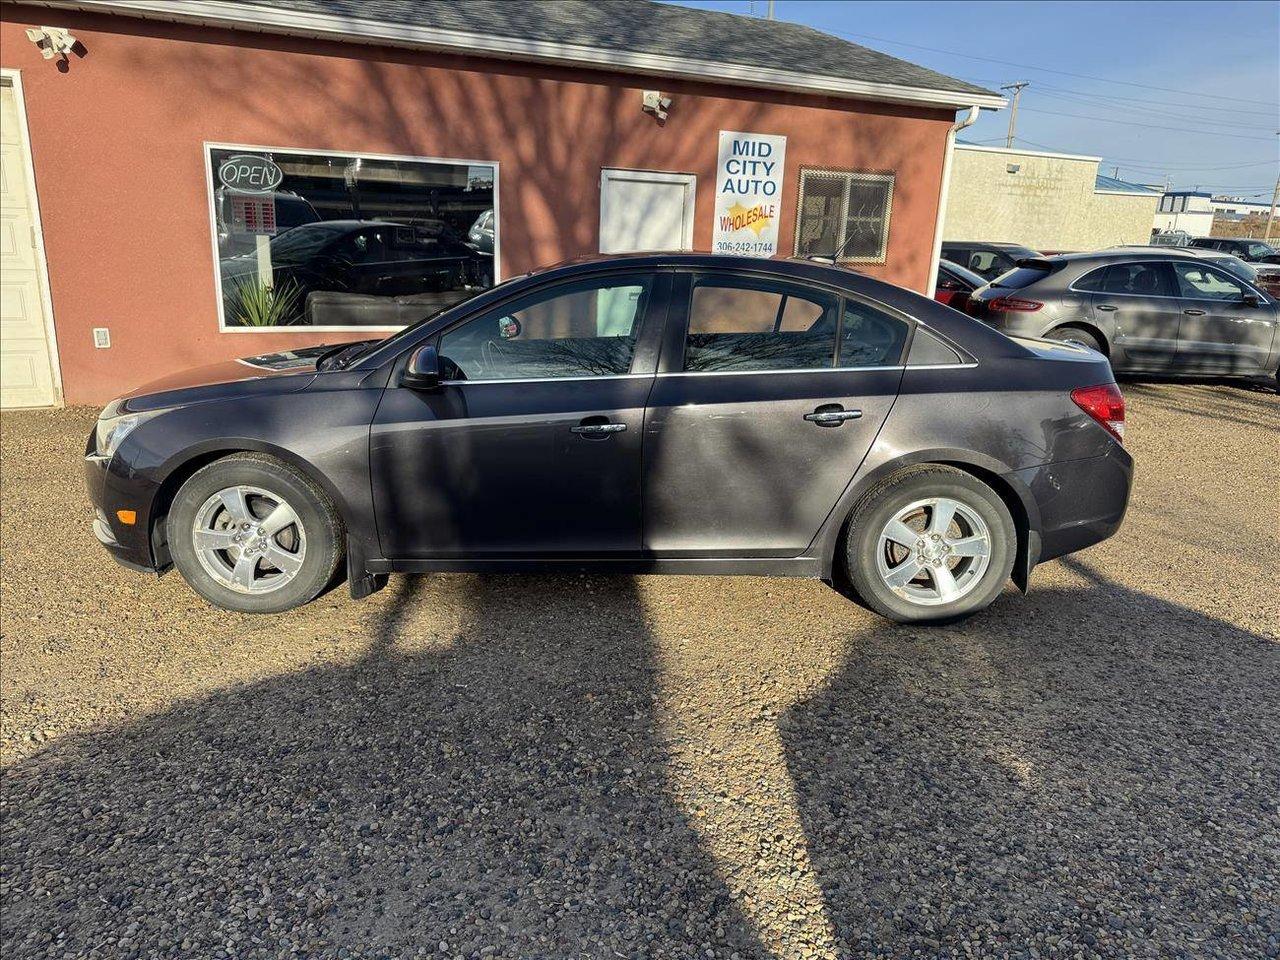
column 1238, row 267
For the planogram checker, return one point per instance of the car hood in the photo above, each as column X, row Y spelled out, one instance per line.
column 282, row 372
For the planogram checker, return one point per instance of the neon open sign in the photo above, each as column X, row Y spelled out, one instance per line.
column 256, row 174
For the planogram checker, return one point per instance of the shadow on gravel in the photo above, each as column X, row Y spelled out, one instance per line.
column 1092, row 764
column 499, row 784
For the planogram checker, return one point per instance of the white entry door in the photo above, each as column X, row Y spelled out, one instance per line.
column 646, row 210
column 26, row 354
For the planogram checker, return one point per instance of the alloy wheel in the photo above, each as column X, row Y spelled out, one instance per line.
column 934, row 551
column 249, row 539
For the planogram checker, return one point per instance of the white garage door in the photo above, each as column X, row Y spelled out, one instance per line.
column 26, row 356
column 646, row 210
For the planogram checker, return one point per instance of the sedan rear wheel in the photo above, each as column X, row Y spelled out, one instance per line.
column 930, row 543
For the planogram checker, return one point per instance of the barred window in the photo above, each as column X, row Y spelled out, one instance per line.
column 844, row 215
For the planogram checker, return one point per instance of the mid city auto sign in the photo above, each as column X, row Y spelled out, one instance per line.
column 748, row 194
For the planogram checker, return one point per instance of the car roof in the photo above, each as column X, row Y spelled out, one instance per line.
column 996, row 244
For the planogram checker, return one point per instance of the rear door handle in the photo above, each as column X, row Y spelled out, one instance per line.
column 832, row 415
column 1194, row 313
column 1107, row 307
column 589, row 429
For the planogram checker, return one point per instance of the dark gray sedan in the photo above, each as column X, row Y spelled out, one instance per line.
column 674, row 413
column 1147, row 309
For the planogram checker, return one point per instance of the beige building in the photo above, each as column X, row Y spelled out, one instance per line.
column 1047, row 201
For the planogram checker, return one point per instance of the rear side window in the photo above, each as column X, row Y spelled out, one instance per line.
column 870, row 337
column 929, row 350
column 748, row 325
column 1134, row 279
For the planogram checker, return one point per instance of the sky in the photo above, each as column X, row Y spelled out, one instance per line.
column 1189, row 91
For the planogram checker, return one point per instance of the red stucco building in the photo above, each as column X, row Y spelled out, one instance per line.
column 207, row 180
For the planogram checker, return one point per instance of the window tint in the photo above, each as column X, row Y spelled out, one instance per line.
column 870, row 337
column 746, row 325
column 1136, row 279
column 1203, row 283
column 586, row 329
column 927, row 349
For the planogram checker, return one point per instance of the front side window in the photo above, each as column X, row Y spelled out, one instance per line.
column 844, row 215
column 1204, row 283
column 331, row 240
column 585, row 329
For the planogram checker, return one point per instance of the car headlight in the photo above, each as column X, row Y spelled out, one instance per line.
column 111, row 431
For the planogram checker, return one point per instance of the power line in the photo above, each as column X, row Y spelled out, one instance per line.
column 1149, row 112
column 1140, row 162
column 1063, row 73
column 1153, row 126
column 1160, row 103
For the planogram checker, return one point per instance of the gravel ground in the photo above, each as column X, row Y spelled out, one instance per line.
column 562, row 767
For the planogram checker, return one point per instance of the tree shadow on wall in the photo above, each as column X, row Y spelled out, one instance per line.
column 552, row 129
column 500, row 782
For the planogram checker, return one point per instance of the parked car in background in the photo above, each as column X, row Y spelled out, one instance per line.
column 361, row 259
column 1171, row 238
column 955, row 283
column 480, row 235
column 1251, row 251
column 1146, row 308
column 987, row 260
column 664, row 413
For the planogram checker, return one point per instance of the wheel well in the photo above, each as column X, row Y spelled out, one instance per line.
column 1002, row 487
column 163, row 500
column 1017, row 510
column 1087, row 328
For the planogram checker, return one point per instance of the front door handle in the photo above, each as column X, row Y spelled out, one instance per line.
column 591, row 427
column 832, row 415
column 1194, row 313
column 1107, row 307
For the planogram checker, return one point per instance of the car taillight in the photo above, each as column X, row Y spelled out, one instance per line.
column 1105, row 404
column 1013, row 305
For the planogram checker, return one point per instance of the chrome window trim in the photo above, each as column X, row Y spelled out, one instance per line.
column 606, row 376
column 717, row 373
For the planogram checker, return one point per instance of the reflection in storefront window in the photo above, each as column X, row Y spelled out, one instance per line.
column 337, row 241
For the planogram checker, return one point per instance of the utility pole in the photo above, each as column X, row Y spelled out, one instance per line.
column 770, row 9
column 1013, row 113
column 1115, row 173
column 1275, row 198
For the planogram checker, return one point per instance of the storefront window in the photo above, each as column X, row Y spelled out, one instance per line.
column 844, row 215
column 330, row 240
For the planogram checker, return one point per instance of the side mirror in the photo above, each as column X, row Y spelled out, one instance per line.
column 1250, row 300
column 423, row 371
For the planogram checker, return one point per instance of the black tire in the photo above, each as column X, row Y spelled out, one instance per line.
column 1076, row 335
column 316, row 513
column 884, row 502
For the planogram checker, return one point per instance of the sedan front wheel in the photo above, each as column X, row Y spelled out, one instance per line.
column 250, row 533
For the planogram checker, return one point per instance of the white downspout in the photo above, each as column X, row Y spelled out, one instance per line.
column 968, row 120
